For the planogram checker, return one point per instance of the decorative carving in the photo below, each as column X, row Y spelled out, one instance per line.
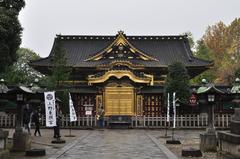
column 120, row 42
column 121, row 63
column 148, row 79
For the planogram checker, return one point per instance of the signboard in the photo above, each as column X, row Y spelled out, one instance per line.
column 89, row 112
column 50, row 109
column 88, row 109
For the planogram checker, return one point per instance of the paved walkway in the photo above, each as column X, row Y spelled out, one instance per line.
column 100, row 144
column 117, row 144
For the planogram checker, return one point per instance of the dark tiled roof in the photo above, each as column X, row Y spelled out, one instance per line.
column 166, row 49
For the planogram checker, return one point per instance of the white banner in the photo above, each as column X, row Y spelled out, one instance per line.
column 174, row 109
column 168, row 107
column 50, row 109
column 73, row 116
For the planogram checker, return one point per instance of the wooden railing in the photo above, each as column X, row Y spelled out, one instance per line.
column 182, row 121
column 8, row 120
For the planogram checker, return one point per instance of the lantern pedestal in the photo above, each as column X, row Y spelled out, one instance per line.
column 208, row 142
column 21, row 140
column 4, row 153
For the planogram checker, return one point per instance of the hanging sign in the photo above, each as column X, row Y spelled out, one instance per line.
column 193, row 100
column 50, row 109
column 73, row 116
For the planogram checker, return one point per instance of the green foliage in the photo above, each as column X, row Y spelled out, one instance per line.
column 178, row 81
column 237, row 73
column 63, row 96
column 60, row 71
column 203, row 52
column 16, row 5
column 10, row 31
column 20, row 72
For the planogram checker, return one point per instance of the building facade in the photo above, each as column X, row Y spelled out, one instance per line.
column 123, row 74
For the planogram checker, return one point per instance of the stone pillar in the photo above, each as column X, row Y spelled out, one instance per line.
column 208, row 140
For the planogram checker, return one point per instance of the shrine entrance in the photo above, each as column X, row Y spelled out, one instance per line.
column 119, row 100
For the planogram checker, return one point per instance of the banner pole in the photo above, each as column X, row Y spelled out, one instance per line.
column 72, row 116
column 174, row 114
column 168, row 107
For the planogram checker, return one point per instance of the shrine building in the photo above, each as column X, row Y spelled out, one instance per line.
column 123, row 74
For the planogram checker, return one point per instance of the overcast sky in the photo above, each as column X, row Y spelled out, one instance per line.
column 43, row 19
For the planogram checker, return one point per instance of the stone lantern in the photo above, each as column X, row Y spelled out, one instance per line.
column 209, row 94
column 21, row 138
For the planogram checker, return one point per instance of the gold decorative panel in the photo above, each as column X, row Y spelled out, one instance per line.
column 99, row 102
column 119, row 101
column 139, row 105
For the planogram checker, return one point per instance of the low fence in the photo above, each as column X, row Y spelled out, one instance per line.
column 182, row 121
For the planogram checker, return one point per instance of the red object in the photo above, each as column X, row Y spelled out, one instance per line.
column 193, row 100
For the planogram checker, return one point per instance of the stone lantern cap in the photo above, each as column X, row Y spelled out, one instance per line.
column 207, row 89
column 235, row 89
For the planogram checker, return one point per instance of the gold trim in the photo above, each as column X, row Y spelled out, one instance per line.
column 119, row 74
column 151, row 77
column 121, row 40
column 124, row 63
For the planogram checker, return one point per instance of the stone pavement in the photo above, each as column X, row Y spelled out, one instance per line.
column 101, row 144
column 45, row 142
column 116, row 144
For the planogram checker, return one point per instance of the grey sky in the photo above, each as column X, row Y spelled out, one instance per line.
column 43, row 19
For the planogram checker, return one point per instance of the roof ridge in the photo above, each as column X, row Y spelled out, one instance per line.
column 128, row 37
